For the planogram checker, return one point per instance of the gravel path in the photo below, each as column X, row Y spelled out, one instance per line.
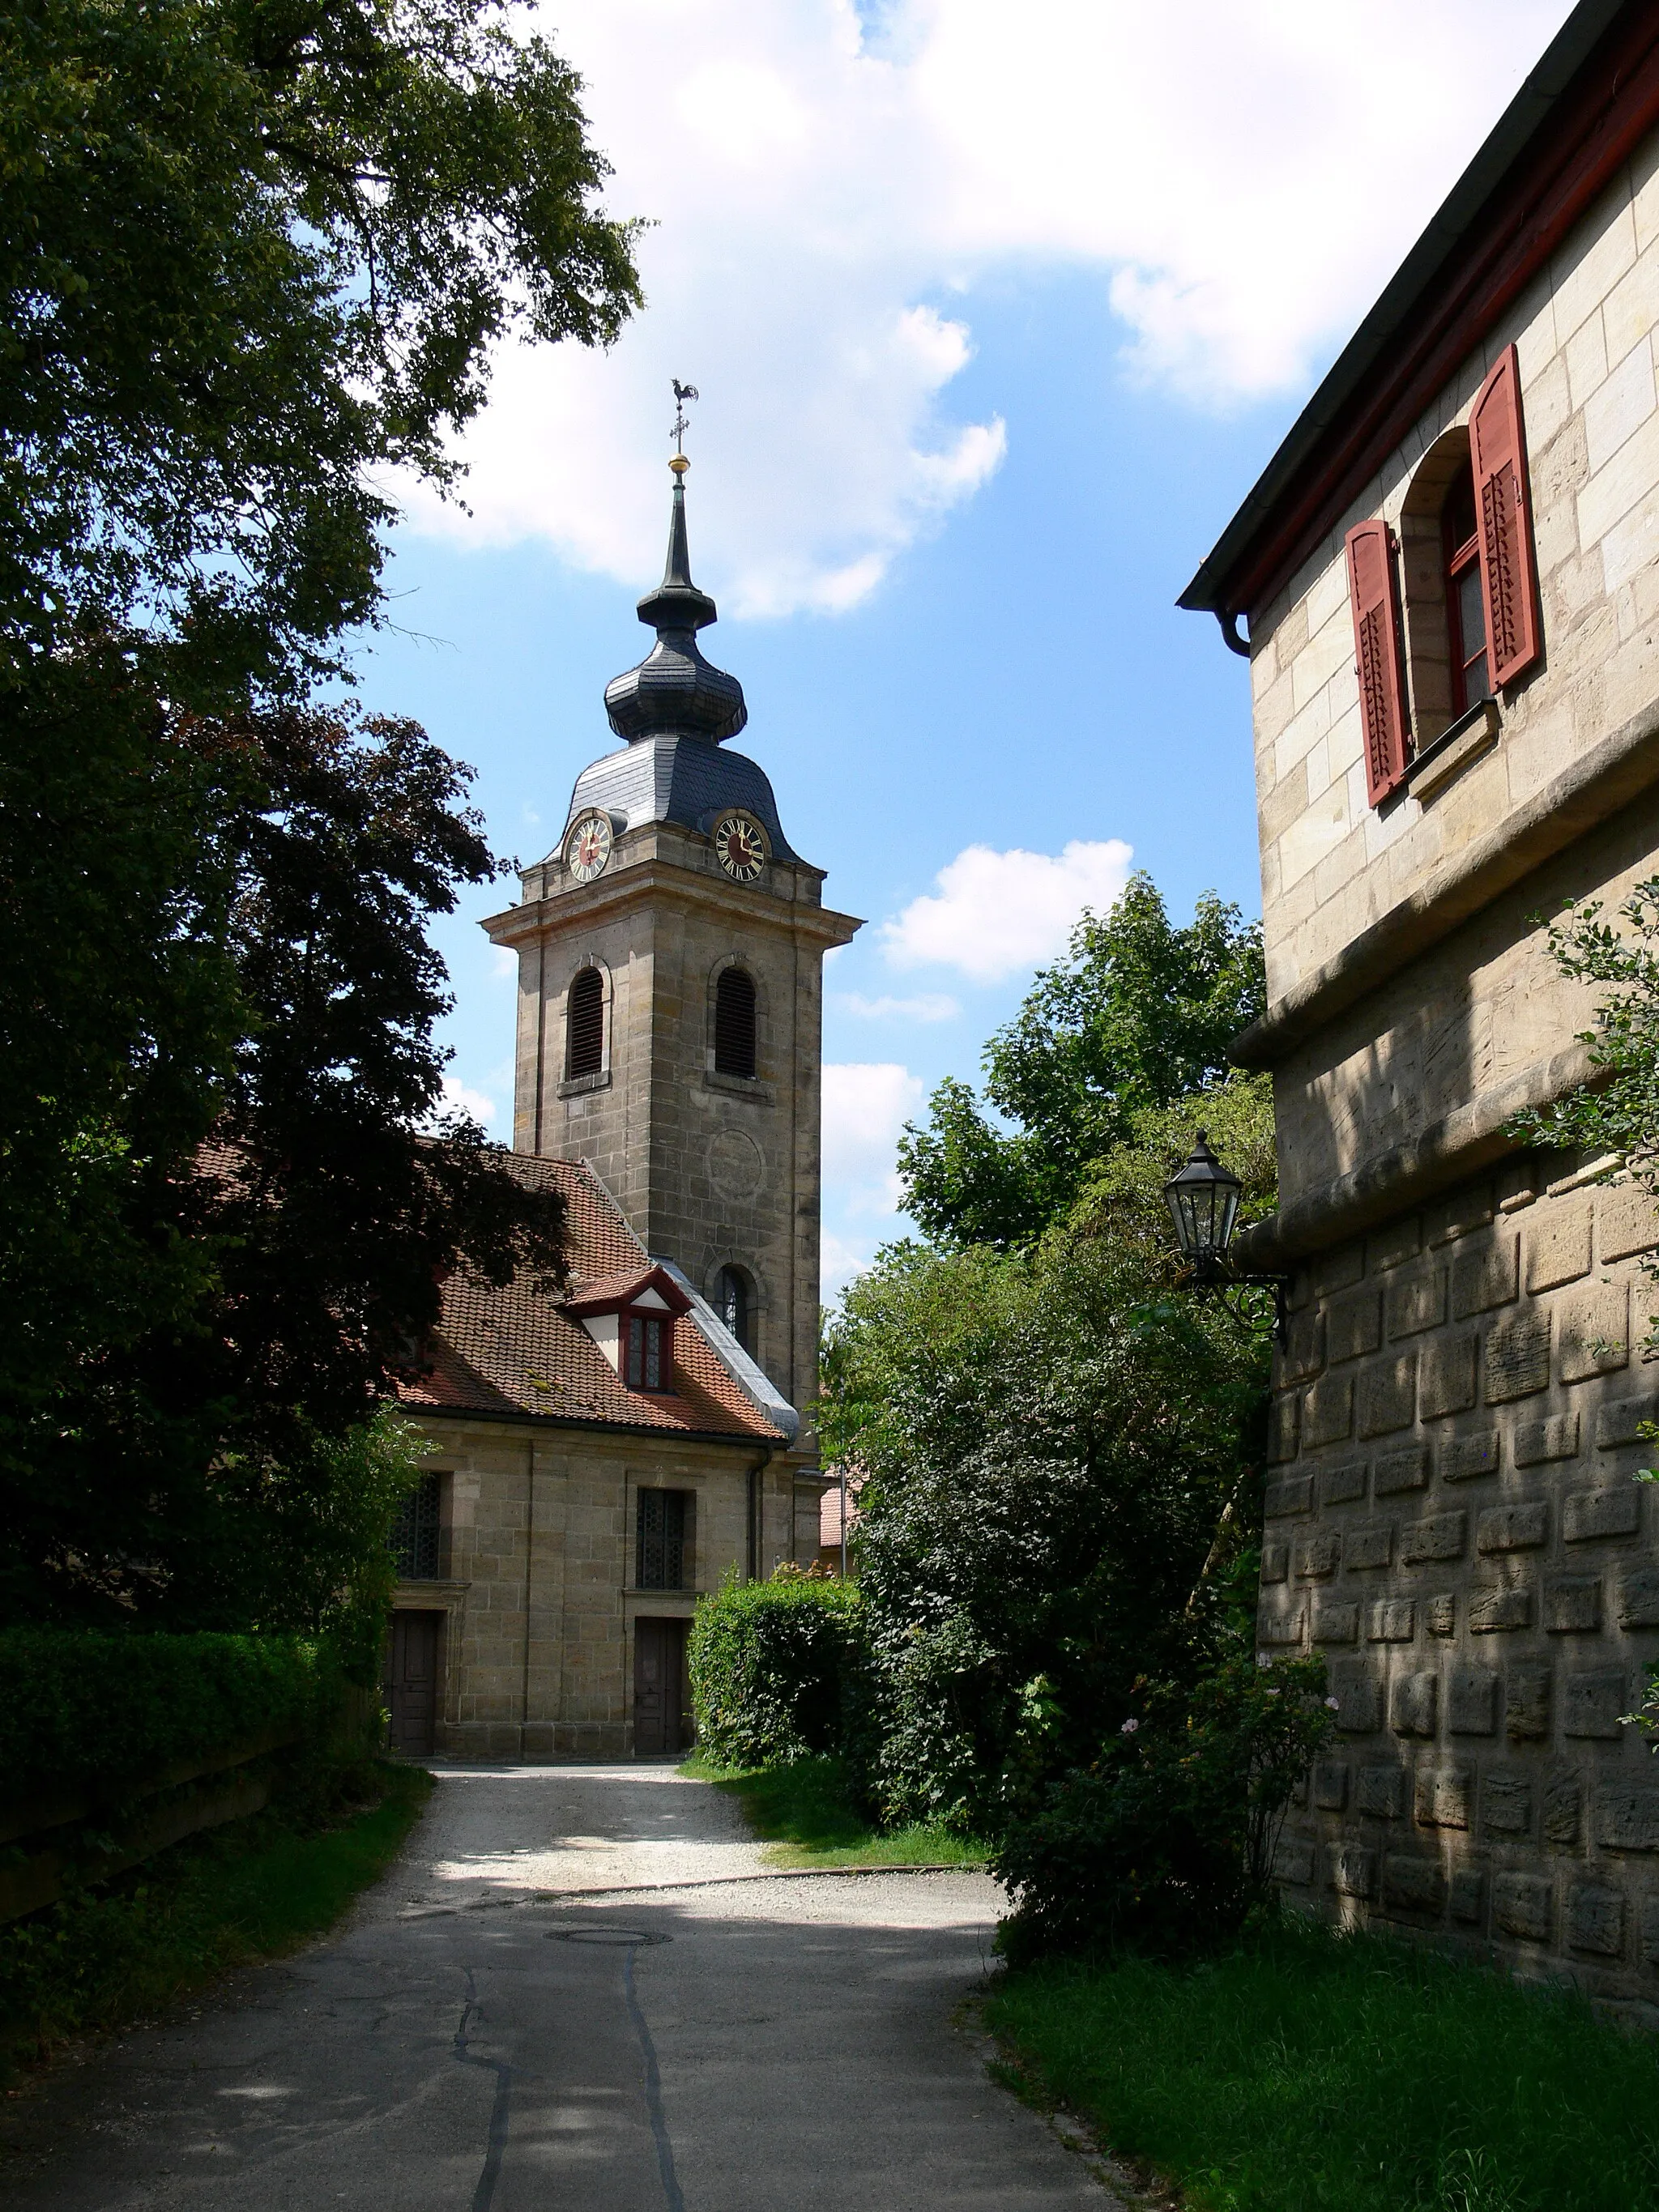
column 480, row 2038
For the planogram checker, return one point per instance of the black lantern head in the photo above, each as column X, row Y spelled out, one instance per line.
column 1203, row 1202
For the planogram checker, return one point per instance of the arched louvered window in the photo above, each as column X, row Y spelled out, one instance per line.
column 734, row 1022
column 584, row 1025
column 735, row 1304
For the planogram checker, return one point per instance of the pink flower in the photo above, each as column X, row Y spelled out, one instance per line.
column 1333, row 1705
column 1129, row 1727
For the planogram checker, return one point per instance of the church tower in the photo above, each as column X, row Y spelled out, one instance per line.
column 670, row 952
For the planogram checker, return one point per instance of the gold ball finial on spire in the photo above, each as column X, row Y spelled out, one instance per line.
column 680, row 465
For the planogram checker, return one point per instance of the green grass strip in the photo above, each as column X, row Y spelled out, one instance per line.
column 231, row 1897
column 1309, row 2072
column 805, row 1813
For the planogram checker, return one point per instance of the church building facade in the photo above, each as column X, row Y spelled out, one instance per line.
column 1450, row 575
column 601, row 1458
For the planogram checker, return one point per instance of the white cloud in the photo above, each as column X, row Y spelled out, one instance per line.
column 459, row 1097
column 926, row 1006
column 866, row 1105
column 839, row 1261
column 1240, row 180
column 996, row 913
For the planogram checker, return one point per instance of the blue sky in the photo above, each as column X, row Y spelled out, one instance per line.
column 975, row 401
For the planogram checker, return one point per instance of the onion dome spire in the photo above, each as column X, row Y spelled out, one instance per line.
column 674, row 691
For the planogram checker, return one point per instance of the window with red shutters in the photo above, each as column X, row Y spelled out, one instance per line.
column 1498, row 452
column 1375, row 600
column 584, row 1024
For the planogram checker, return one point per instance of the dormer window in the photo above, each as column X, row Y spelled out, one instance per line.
column 631, row 1319
column 650, row 1360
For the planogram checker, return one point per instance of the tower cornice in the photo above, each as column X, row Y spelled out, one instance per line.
column 657, row 882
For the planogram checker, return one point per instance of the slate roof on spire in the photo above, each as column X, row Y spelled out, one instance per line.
column 674, row 691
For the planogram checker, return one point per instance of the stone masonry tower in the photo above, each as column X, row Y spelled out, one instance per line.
column 671, row 952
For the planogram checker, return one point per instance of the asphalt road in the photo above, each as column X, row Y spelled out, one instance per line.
column 479, row 2038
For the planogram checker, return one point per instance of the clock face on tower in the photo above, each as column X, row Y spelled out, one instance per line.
column 741, row 847
column 587, row 848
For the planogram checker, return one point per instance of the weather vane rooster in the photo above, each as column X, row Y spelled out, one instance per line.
column 682, row 393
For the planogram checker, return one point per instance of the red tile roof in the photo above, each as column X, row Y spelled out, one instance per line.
column 518, row 1351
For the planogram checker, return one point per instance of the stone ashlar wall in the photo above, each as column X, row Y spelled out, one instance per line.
column 1452, row 1520
column 538, row 1596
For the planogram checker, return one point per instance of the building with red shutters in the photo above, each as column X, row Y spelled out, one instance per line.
column 1448, row 575
column 602, row 1457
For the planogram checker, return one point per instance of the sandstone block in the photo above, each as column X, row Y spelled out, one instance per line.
column 1648, row 1938
column 1401, row 1240
column 1464, row 1459
column 1413, row 1700
column 1379, row 1791
column 1413, row 1885
column 1440, row 1613
column 1392, row 1620
column 1443, row 1797
column 1486, row 1278
column 1330, row 1785
column 1327, row 1411
column 1457, row 1216
column 1469, row 1894
column 1446, row 1376
column 1627, row 1817
column 1337, row 1271
column 1593, row 1331
column 1627, row 1221
column 1473, row 1701
column 1372, row 1547
column 1388, row 1395
column 1305, row 1355
column 1527, row 1703
column 1283, row 1423
column 1592, row 1702
column 1293, row 1494
column 1280, row 1624
column 1335, row 1620
column 1416, row 1302
column 1353, row 1870
column 1518, row 1358
column 1557, row 1245
column 1275, row 1560
column 1400, row 1470
column 1354, row 1325
column 1563, row 1812
column 1595, row 1919
column 1621, row 1420
column 1359, row 1697
column 1340, row 1486
column 1555, row 1438
column 1615, row 1511
column 1316, row 1554
column 1493, row 1610
column 1572, row 1604
column 1522, row 1904
column 1513, row 1528
column 1293, row 1861
column 1638, row 1598
column 1507, row 1804
column 1439, row 1537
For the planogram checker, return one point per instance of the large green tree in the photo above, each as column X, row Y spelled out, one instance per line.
column 254, row 260
column 1140, row 1015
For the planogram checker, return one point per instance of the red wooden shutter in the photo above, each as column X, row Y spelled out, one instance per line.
column 1498, row 449
column 1376, row 633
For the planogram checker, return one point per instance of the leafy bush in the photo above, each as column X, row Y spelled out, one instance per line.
column 1167, row 1840
column 777, row 1668
column 1050, row 1446
column 79, row 1707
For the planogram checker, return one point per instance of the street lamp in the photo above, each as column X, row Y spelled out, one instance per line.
column 1203, row 1201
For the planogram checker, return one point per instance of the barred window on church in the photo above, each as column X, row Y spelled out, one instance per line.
column 734, row 1022
column 584, row 1024
column 418, row 1533
column 736, row 1306
column 661, row 1552
column 650, row 1363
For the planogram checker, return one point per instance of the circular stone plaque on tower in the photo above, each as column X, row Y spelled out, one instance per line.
column 736, row 1163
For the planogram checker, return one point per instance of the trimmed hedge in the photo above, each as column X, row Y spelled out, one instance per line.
column 80, row 1707
column 778, row 1668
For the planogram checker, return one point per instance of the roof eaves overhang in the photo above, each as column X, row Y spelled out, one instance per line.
column 1304, row 485
column 750, row 1439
